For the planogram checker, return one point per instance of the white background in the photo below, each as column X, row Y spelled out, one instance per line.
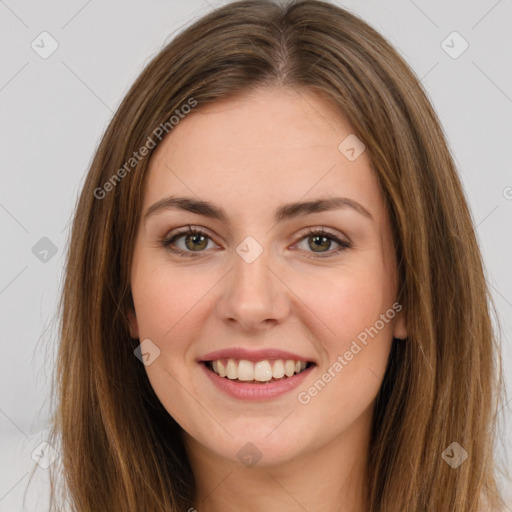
column 54, row 110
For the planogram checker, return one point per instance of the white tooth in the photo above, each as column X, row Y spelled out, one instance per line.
column 289, row 368
column 262, row 371
column 231, row 370
column 278, row 369
column 245, row 370
column 221, row 368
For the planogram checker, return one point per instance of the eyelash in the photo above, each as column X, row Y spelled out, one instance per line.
column 168, row 241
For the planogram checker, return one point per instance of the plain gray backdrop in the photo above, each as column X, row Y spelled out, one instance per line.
column 65, row 66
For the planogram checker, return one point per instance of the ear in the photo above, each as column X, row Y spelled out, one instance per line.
column 134, row 326
column 399, row 328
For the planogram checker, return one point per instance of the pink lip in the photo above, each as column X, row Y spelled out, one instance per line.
column 252, row 355
column 246, row 391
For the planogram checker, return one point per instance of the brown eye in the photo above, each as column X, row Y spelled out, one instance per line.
column 195, row 240
column 320, row 242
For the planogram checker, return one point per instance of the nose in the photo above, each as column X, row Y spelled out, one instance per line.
column 254, row 297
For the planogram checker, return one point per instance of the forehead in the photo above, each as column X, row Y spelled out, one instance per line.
column 265, row 148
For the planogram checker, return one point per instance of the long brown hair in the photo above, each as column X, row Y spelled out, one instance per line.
column 120, row 449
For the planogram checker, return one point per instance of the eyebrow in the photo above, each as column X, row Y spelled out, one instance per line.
column 285, row 212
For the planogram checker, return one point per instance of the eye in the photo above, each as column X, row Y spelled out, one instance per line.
column 318, row 239
column 196, row 241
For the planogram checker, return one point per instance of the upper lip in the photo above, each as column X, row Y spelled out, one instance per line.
column 252, row 355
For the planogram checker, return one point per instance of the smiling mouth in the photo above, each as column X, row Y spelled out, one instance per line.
column 260, row 372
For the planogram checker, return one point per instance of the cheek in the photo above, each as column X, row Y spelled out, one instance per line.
column 163, row 298
column 355, row 345
column 346, row 303
column 168, row 307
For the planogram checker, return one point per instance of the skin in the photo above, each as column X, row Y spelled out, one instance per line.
column 250, row 155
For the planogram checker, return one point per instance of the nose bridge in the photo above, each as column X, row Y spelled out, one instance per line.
column 253, row 294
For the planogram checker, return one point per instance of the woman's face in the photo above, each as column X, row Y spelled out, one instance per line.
column 261, row 284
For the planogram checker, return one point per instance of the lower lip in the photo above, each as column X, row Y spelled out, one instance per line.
column 246, row 391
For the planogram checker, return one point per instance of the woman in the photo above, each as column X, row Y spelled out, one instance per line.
column 274, row 297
